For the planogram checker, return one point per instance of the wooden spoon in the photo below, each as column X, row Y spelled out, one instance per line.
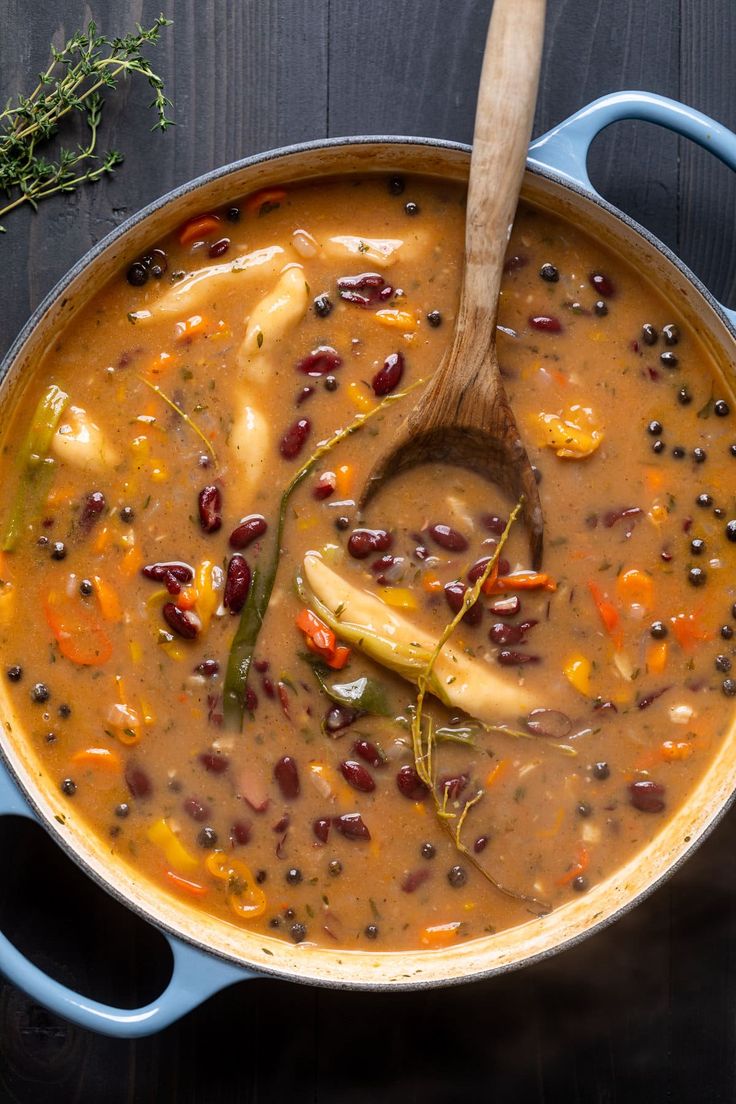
column 463, row 416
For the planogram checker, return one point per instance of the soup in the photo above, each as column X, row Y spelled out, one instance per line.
column 381, row 730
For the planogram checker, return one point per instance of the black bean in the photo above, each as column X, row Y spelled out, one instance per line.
column 434, row 318
column 428, row 851
column 293, row 876
column 723, row 663
column 322, row 305
column 671, row 334
column 649, row 334
column 601, row 771
column 137, row 274
column 601, row 308
column 363, row 542
column 357, row 776
column 721, row 408
column 457, row 877
column 697, row 576
column 351, row 826
column 15, row 673
column 549, row 273
column 371, row 931
column 669, row 360
column 40, row 693
column 58, row 550
column 207, row 838
column 411, row 208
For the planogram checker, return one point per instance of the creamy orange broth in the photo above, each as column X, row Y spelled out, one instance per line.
column 175, row 433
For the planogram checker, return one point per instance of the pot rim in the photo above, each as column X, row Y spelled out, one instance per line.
column 535, row 168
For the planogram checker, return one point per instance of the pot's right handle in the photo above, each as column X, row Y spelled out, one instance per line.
column 195, row 976
column 564, row 149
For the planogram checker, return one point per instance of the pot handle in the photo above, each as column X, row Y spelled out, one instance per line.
column 196, row 975
column 565, row 148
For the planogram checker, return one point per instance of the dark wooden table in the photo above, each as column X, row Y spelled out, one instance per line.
column 645, row 1011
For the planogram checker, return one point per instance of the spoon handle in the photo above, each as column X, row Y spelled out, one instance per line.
column 503, row 125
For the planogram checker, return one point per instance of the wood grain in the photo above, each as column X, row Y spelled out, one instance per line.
column 642, row 1012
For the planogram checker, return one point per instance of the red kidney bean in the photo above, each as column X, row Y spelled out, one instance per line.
column 515, row 262
column 183, row 622
column 293, row 440
column 321, row 828
column 605, row 707
column 421, row 552
column 511, row 659
column 549, row 722
column 214, row 762
column 648, row 699
column 455, row 594
column 282, row 823
column 602, row 284
column 364, row 541
column 413, row 879
column 338, row 717
column 453, row 785
column 215, row 714
column 478, row 568
column 208, row 668
column 237, row 584
column 92, row 507
column 448, row 538
column 546, row 323
column 480, row 844
column 610, row 519
column 364, row 290
column 210, row 508
column 219, row 248
column 283, row 695
column 159, row 572
column 410, row 784
column 240, row 833
column 303, row 395
column 286, row 774
column 138, row 781
column 247, row 530
column 357, row 776
column 506, row 607
column 388, row 378
column 383, row 564
column 251, row 699
column 647, row 796
column 261, row 665
column 196, row 809
column 320, row 361
column 325, row 486
column 351, row 826
column 369, row 753
column 268, row 688
column 501, row 633
column 494, row 523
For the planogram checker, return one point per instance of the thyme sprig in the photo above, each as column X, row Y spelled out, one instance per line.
column 77, row 74
column 424, row 738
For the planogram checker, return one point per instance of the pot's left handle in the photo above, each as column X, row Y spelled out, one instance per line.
column 565, row 148
column 195, row 976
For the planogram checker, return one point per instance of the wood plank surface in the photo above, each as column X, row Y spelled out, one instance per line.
column 641, row 1012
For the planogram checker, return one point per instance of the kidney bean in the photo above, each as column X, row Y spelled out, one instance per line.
column 325, row 486
column 286, row 774
column 605, row 707
column 251, row 699
column 364, row 541
column 240, row 833
column 283, row 695
column 138, row 781
column 515, row 262
column 320, row 361
column 388, row 377
column 364, row 290
column 159, row 572
column 494, row 523
column 648, row 699
column 210, row 508
column 247, row 530
column 219, row 248
column 208, row 668
column 268, row 688
column 357, row 776
column 293, row 440
column 351, row 826
column 282, row 823
column 506, row 607
column 478, row 568
column 511, row 659
column 196, row 809
column 413, row 879
column 453, row 785
column 421, row 552
column 92, row 507
column 183, row 622
column 602, row 284
column 448, row 538
column 321, row 828
column 410, row 784
column 647, row 796
column 455, row 594
column 369, row 752
column 237, row 584
column 214, row 762
column 501, row 633
column 303, row 395
column 215, row 715
column 610, row 518
column 547, row 323
column 549, row 722
column 261, row 665
column 480, row 844
column 383, row 564
column 338, row 717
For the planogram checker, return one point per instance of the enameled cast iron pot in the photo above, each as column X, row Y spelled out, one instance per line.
column 209, row 953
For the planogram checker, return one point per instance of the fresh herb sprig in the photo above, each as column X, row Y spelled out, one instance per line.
column 73, row 82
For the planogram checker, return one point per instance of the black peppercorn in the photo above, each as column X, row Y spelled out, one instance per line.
column 298, row 932
column 342, row 522
column 726, row 632
column 428, row 851
column 58, row 550
column 580, row 883
column 704, row 500
column 293, row 876
column 696, row 576
column 601, row 771
column 658, row 446
column 601, row 308
column 678, row 452
column 371, row 931
column 207, row 837
column 697, row 546
column 127, row 514
column 331, row 383
column 670, row 333
column 411, row 208
column 261, row 876
column 655, row 428
column 122, row 810
column 699, row 455
column 684, row 397
column 274, row 922
column 456, row 876
column 65, row 710
column 233, row 214
column 723, row 663
column 728, row 686
column 731, row 530
column 584, row 809
column 549, row 273
column 69, row 787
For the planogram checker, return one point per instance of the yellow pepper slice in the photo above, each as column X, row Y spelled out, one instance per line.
column 245, row 898
column 577, row 671
column 573, row 434
column 174, row 850
column 396, row 319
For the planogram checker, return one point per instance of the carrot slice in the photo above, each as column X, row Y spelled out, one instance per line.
column 607, row 612
column 520, row 580
column 260, row 203
column 99, row 758
column 80, row 636
column 194, row 889
column 439, row 935
column 109, row 602
column 198, row 227
column 580, row 866
column 688, row 631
